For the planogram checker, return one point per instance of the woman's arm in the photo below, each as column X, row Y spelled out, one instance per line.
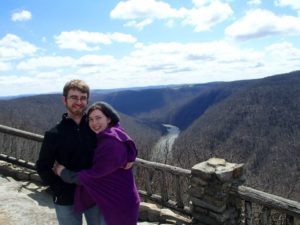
column 66, row 175
column 69, row 176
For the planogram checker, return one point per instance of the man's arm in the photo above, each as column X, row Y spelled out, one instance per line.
column 45, row 163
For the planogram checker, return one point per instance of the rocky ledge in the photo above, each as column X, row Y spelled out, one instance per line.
column 23, row 202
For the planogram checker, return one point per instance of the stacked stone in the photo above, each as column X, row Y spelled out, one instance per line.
column 211, row 182
column 152, row 213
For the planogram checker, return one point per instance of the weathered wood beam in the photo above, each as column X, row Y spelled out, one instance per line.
column 248, row 213
column 178, row 192
column 18, row 162
column 161, row 166
column 21, row 133
column 268, row 200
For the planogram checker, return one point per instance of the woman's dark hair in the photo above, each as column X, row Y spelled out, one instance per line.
column 107, row 110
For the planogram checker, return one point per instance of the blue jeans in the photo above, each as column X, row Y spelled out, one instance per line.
column 66, row 215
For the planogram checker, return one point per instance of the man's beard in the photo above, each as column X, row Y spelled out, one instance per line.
column 75, row 112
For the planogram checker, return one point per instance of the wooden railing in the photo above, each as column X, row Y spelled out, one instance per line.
column 169, row 182
column 169, row 186
column 269, row 209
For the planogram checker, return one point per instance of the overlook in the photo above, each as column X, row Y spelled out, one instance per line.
column 223, row 125
column 215, row 192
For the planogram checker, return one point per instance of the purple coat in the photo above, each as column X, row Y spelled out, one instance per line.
column 107, row 184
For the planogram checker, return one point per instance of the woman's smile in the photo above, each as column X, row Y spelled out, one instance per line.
column 98, row 121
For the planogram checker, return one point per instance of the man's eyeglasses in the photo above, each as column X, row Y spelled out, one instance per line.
column 75, row 98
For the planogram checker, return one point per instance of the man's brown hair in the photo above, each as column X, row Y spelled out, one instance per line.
column 79, row 85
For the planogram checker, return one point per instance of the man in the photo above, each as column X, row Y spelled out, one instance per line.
column 71, row 143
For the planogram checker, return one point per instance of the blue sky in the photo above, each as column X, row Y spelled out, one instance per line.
column 117, row 44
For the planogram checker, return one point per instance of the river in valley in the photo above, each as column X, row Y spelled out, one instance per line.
column 162, row 151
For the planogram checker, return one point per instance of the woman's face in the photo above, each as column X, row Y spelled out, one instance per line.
column 98, row 121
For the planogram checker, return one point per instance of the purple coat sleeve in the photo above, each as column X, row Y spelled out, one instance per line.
column 131, row 152
column 110, row 155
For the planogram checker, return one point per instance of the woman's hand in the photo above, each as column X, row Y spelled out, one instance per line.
column 57, row 168
column 128, row 166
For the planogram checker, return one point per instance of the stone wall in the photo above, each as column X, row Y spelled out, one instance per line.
column 211, row 182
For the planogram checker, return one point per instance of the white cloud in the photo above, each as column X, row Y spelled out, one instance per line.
column 201, row 3
column 167, row 63
column 284, row 52
column 90, row 41
column 95, row 60
column 15, row 81
column 31, row 84
column 4, row 66
column 23, row 15
column 156, row 64
column 139, row 25
column 203, row 16
column 253, row 2
column 123, row 38
column 143, row 13
column 295, row 4
column 49, row 62
column 261, row 23
column 204, row 62
column 81, row 40
column 137, row 9
column 55, row 74
column 170, row 23
column 12, row 47
column 193, row 53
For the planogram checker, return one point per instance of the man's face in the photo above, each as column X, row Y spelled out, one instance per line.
column 76, row 102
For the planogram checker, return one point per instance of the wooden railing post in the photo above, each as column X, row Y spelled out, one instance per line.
column 211, row 182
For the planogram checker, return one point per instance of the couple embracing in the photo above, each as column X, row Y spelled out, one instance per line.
column 86, row 159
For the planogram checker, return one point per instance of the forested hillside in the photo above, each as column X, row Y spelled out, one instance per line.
column 35, row 113
column 257, row 123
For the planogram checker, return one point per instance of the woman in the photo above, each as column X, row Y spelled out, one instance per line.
column 107, row 183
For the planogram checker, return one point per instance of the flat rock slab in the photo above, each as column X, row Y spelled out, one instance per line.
column 25, row 203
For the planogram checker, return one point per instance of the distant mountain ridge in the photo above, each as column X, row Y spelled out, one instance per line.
column 156, row 105
column 99, row 91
